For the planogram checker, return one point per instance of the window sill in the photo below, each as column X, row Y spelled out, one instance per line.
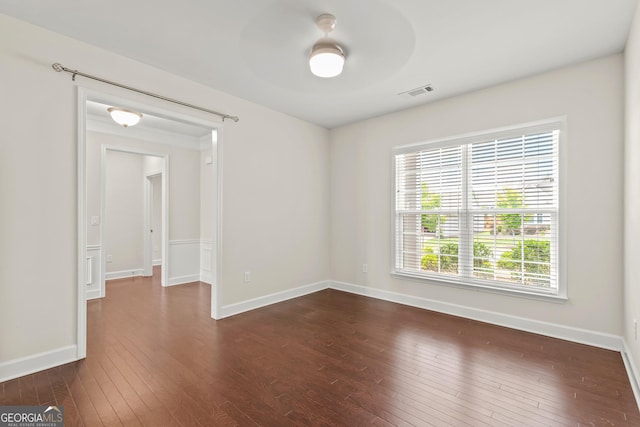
column 452, row 282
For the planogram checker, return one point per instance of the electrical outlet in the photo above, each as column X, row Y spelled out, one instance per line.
column 109, row 258
column 247, row 276
column 365, row 268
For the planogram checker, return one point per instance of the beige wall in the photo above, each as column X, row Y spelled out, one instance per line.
column 124, row 211
column 184, row 182
column 590, row 95
column 275, row 210
column 632, row 190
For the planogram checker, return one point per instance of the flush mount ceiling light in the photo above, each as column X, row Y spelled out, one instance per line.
column 124, row 117
column 327, row 57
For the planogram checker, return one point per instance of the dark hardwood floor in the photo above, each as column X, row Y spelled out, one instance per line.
column 155, row 358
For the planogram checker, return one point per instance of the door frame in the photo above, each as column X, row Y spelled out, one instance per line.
column 164, row 171
column 90, row 91
column 148, row 220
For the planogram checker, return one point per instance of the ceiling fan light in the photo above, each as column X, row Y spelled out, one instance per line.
column 326, row 60
column 124, row 117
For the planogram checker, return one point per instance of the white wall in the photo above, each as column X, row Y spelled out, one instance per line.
column 275, row 184
column 632, row 190
column 124, row 211
column 590, row 95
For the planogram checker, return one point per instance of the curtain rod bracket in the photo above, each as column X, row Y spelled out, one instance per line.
column 59, row 68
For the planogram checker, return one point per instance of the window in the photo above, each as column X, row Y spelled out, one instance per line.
column 482, row 210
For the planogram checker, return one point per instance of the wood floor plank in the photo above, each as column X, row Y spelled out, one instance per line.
column 44, row 389
column 99, row 400
column 129, row 395
column 79, row 395
column 64, row 397
column 10, row 393
column 124, row 413
column 155, row 357
column 183, row 394
column 28, row 392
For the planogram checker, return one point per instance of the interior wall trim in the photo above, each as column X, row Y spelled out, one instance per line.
column 124, row 274
column 568, row 333
column 632, row 372
column 93, row 273
column 30, row 364
column 554, row 330
column 181, row 280
column 184, row 242
column 156, row 136
column 93, row 294
column 206, row 261
column 252, row 304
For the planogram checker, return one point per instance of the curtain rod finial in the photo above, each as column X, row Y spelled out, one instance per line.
column 57, row 66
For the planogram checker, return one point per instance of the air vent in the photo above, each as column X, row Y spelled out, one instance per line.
column 417, row 91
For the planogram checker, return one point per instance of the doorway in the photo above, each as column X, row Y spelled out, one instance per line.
column 153, row 229
column 126, row 209
column 158, row 115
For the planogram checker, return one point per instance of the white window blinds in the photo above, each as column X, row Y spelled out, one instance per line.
column 481, row 210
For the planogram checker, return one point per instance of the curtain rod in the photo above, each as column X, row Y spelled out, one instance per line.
column 59, row 68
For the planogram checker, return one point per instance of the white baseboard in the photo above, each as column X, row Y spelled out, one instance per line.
column 568, row 333
column 156, row 262
column 252, row 304
column 93, row 294
column 123, row 274
column 582, row 336
column 632, row 372
column 38, row 362
column 181, row 280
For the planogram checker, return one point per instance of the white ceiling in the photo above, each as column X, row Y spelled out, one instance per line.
column 258, row 49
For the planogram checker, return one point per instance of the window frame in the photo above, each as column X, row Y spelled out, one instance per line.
column 559, row 294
